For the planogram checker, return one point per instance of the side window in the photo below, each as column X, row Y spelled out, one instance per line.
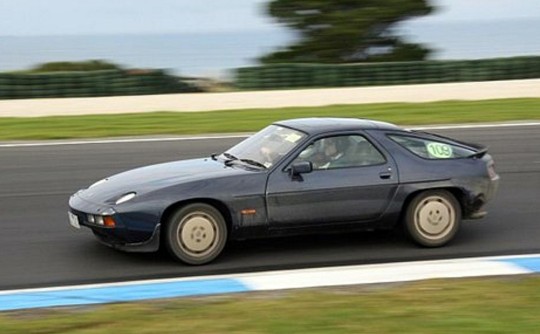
column 431, row 149
column 341, row 152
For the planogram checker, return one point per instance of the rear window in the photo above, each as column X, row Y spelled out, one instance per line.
column 431, row 149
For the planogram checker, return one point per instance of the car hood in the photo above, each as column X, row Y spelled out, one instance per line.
column 146, row 179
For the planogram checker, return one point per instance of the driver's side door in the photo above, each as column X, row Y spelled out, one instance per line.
column 359, row 188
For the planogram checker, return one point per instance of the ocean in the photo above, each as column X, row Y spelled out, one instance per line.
column 218, row 54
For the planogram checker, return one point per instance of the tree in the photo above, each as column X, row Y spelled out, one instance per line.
column 345, row 31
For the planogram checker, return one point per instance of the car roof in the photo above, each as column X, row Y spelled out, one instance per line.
column 328, row 124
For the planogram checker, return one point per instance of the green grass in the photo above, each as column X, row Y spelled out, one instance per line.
column 491, row 305
column 177, row 123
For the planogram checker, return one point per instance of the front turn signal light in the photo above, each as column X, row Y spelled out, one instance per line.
column 108, row 221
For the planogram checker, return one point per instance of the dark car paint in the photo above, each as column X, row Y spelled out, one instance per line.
column 326, row 196
column 197, row 179
column 468, row 176
column 282, row 204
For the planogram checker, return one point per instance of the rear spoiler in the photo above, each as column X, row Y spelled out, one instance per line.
column 480, row 150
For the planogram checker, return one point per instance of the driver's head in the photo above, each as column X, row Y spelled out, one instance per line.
column 335, row 145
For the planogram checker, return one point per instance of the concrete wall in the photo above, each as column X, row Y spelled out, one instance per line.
column 270, row 99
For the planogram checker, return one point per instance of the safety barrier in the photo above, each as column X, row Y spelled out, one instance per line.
column 281, row 76
column 20, row 85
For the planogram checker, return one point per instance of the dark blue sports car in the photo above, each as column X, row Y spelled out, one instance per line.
column 295, row 176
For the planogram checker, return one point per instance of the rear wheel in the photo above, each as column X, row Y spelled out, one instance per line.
column 433, row 218
column 196, row 233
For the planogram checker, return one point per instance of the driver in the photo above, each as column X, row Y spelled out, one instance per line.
column 332, row 153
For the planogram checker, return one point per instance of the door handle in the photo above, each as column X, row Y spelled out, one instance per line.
column 385, row 175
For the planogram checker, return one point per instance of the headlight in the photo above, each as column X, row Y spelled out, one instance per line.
column 126, row 197
column 98, row 182
column 101, row 220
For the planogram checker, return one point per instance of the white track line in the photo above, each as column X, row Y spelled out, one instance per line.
column 121, row 141
column 475, row 126
column 165, row 139
column 313, row 272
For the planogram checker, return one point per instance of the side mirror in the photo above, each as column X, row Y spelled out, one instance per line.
column 300, row 168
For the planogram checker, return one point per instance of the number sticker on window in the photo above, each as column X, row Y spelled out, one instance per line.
column 293, row 137
column 439, row 150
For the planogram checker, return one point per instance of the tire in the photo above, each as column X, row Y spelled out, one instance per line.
column 196, row 234
column 433, row 218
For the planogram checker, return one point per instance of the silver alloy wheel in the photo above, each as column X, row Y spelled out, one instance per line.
column 197, row 234
column 434, row 217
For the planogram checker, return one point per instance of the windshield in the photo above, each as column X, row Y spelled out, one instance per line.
column 266, row 147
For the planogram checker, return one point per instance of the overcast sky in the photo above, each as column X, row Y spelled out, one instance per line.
column 60, row 17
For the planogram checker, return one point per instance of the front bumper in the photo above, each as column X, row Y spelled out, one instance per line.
column 150, row 245
column 129, row 233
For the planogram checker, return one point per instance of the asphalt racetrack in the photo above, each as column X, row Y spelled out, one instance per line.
column 39, row 248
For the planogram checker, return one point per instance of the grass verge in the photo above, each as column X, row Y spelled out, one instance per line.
column 177, row 123
column 489, row 305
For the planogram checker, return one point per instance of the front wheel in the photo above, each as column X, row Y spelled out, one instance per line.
column 196, row 234
column 433, row 218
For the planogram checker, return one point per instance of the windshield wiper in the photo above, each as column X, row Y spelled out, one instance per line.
column 253, row 163
column 230, row 158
